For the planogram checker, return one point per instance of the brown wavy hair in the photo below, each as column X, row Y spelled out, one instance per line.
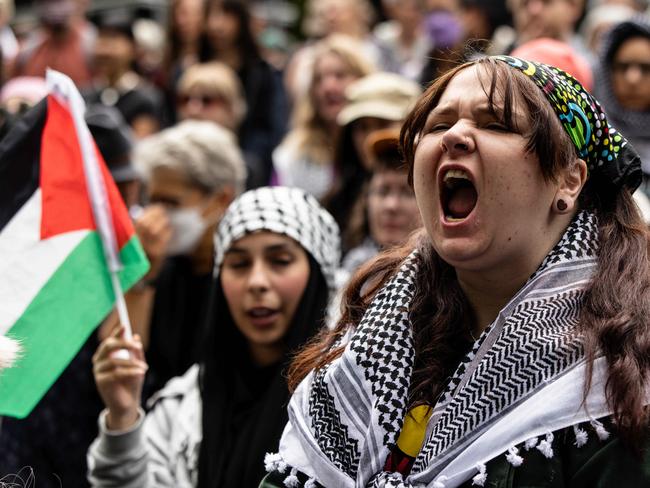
column 616, row 308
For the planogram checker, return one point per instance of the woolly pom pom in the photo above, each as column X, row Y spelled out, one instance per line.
column 292, row 480
column 9, row 351
column 601, row 432
column 271, row 461
column 546, row 446
column 481, row 477
column 530, row 443
column 310, row 483
column 281, row 466
column 514, row 458
column 581, row 436
column 440, row 482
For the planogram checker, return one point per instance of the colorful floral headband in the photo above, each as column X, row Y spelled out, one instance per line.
column 602, row 147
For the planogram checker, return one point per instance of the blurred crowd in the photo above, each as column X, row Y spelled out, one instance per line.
column 229, row 95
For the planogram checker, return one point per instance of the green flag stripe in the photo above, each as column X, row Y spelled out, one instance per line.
column 60, row 319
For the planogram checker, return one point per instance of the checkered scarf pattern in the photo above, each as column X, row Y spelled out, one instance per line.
column 346, row 417
column 287, row 211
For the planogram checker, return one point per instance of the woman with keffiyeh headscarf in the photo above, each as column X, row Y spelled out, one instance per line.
column 509, row 343
column 623, row 84
column 277, row 251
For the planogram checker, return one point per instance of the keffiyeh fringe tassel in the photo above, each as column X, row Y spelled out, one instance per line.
column 530, row 443
column 581, row 436
column 546, row 446
column 481, row 477
column 274, row 462
column 601, row 432
column 292, row 480
column 514, row 458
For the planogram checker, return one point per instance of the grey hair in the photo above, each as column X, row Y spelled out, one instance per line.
column 206, row 153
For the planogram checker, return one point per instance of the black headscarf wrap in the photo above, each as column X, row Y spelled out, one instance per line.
column 600, row 145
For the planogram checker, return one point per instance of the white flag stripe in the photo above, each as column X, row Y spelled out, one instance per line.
column 22, row 231
column 26, row 271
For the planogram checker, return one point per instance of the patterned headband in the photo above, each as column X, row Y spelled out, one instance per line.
column 600, row 145
column 287, row 211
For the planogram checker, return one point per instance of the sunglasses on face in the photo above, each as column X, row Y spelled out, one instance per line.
column 204, row 100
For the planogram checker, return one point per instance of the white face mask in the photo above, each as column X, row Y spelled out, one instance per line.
column 187, row 228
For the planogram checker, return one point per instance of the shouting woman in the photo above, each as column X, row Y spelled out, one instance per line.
column 509, row 344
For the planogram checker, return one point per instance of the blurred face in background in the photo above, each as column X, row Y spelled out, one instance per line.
column 188, row 19
column 545, row 18
column 631, row 74
column 331, row 77
column 360, row 130
column 114, row 52
column 392, row 209
column 221, row 27
column 200, row 103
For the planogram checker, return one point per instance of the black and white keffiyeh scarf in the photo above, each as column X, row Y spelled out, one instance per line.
column 522, row 379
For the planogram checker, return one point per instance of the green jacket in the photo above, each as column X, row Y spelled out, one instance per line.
column 597, row 464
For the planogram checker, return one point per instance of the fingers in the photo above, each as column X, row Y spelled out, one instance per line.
column 116, row 341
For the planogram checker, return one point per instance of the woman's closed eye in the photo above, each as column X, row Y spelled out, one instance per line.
column 281, row 260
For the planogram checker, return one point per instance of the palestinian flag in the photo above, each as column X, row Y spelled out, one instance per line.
column 56, row 285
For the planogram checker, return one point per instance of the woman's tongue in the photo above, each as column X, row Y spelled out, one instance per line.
column 461, row 202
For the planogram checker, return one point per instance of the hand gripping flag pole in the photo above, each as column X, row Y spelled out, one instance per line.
column 64, row 89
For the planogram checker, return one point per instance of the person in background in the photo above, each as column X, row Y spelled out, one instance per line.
column 558, row 54
column 8, row 43
column 305, row 158
column 402, row 41
column 228, row 38
column 63, row 41
column 445, row 31
column 114, row 139
column 598, row 21
column 211, row 91
column 386, row 213
column 376, row 101
column 325, row 18
column 277, row 251
column 21, row 93
column 192, row 172
column 115, row 81
column 623, row 84
column 53, row 439
column 555, row 19
column 184, row 28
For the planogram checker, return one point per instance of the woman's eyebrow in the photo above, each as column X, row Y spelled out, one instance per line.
column 284, row 246
column 236, row 250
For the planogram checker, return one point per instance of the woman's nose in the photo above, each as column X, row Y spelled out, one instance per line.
column 258, row 278
column 456, row 141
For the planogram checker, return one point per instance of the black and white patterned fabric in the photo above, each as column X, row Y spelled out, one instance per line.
column 345, row 418
column 287, row 211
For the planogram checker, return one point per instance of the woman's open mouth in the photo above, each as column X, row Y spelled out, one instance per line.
column 458, row 195
column 262, row 316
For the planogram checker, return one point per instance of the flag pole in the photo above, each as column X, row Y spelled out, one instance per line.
column 65, row 90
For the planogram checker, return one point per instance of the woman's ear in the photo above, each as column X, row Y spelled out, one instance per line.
column 571, row 180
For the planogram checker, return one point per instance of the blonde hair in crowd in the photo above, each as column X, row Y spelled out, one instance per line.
column 309, row 134
column 219, row 79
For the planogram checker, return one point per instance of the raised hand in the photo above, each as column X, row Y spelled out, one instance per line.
column 119, row 381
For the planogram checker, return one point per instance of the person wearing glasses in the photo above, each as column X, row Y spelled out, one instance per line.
column 623, row 84
column 386, row 212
